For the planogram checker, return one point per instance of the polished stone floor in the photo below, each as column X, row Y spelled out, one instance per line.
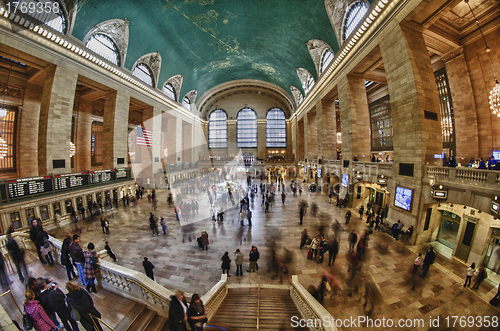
column 181, row 264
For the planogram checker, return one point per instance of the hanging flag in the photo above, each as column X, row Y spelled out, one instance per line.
column 144, row 137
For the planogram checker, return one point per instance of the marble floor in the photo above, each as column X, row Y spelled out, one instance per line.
column 181, row 264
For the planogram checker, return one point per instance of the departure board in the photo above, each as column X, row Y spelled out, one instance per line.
column 18, row 188
column 62, row 182
column 102, row 176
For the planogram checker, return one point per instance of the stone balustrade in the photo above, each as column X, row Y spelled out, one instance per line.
column 215, row 296
column 310, row 308
column 463, row 175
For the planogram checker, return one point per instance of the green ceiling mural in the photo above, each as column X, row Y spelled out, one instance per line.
column 214, row 41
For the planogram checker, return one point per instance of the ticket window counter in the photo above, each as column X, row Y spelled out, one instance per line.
column 107, row 195
column 68, row 204
column 79, row 202
column 115, row 193
column 89, row 201
column 44, row 212
column 16, row 220
column 98, row 197
column 57, row 208
column 30, row 215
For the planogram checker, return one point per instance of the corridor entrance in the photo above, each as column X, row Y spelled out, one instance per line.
column 448, row 229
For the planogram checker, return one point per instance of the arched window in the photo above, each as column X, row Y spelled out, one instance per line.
column 217, row 129
column 246, row 128
column 49, row 12
column 105, row 47
column 169, row 91
column 325, row 60
column 276, row 128
column 353, row 18
column 143, row 72
column 186, row 103
column 301, row 98
column 309, row 84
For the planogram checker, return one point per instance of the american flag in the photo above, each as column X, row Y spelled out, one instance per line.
column 144, row 137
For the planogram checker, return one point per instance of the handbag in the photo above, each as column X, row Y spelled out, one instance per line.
column 75, row 314
column 27, row 322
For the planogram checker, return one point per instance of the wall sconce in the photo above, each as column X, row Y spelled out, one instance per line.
column 451, row 205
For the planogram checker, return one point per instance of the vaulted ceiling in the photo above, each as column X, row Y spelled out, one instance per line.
column 211, row 42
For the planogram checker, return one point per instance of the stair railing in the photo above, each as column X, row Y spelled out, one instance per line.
column 258, row 303
column 143, row 288
column 94, row 318
column 215, row 296
column 13, row 299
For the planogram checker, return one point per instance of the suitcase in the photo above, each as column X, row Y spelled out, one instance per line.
column 199, row 242
column 310, row 255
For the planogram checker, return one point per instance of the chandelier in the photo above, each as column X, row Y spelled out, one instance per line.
column 495, row 93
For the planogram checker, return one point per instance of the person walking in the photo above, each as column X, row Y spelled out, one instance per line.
column 17, row 256
column 34, row 239
column 417, row 263
column 82, row 301
column 352, row 239
column 333, row 251
column 303, row 238
column 226, row 263
column 110, row 253
column 301, row 214
column 177, row 311
column 238, row 260
column 428, row 260
column 470, row 273
column 480, row 277
column 152, row 224
column 361, row 211
column 249, row 217
column 148, row 268
column 347, row 217
column 106, row 225
column 204, row 240
column 65, row 259
column 163, row 225
column 103, row 226
column 41, row 321
column 77, row 255
column 91, row 267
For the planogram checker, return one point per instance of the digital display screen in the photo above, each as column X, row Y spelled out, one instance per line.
column 305, row 169
column 29, row 186
column 345, row 180
column 403, row 198
column 62, row 182
column 440, row 194
column 319, row 173
column 494, row 207
column 102, row 176
column 496, row 155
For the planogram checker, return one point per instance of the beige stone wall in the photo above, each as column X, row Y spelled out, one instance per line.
column 261, row 140
column 301, row 139
column 115, row 122
column 168, row 138
column 187, row 142
column 328, row 129
column 27, row 164
column 55, row 119
column 312, row 135
column 83, row 123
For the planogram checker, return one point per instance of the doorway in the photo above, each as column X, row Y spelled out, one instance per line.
column 491, row 260
column 448, row 230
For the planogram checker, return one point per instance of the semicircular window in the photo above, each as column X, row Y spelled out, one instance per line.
column 246, row 128
column 276, row 128
column 48, row 12
column 105, row 47
column 326, row 59
column 169, row 91
column 143, row 72
column 186, row 103
column 356, row 13
column 309, row 84
column 217, row 129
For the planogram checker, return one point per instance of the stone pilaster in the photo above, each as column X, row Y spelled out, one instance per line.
column 56, row 109
column 328, row 129
column 83, row 123
column 28, row 139
column 178, row 140
column 115, row 121
column 231, row 138
column 187, row 141
column 169, row 137
column 312, row 135
column 301, row 138
column 151, row 156
column 261, row 139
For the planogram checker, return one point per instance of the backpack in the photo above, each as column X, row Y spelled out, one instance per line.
column 93, row 262
column 46, row 243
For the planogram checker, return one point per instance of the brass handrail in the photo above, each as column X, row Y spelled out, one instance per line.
column 258, row 303
column 100, row 320
column 146, row 289
column 10, row 292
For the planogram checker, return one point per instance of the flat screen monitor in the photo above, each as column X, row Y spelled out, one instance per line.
column 319, row 173
column 496, row 155
column 403, row 198
column 494, row 207
column 305, row 169
column 345, row 180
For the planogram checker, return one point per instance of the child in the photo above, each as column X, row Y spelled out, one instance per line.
column 418, row 262
column 110, row 253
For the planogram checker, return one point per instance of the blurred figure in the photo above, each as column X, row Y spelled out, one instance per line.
column 17, row 256
column 82, row 301
column 4, row 276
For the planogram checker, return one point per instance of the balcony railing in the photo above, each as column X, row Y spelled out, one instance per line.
column 486, row 178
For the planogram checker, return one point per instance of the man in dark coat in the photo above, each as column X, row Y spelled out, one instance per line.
column 17, row 256
column 56, row 301
column 41, row 283
column 148, row 268
column 428, row 260
column 332, row 251
column 177, row 312
column 34, row 239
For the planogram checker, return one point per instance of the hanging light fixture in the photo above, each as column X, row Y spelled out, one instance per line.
column 495, row 92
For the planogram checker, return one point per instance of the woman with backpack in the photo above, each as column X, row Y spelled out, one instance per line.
column 45, row 247
column 90, row 267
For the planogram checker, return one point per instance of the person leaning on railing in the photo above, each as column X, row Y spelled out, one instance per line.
column 197, row 313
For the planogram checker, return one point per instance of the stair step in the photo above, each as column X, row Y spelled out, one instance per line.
column 156, row 323
column 130, row 317
column 142, row 320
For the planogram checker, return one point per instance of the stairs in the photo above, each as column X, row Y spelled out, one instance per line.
column 238, row 311
column 141, row 318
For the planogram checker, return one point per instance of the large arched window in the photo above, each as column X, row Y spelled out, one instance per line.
column 276, row 128
column 217, row 129
column 49, row 12
column 353, row 18
column 169, row 91
column 186, row 103
column 105, row 47
column 246, row 128
column 143, row 72
column 309, row 84
column 325, row 60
